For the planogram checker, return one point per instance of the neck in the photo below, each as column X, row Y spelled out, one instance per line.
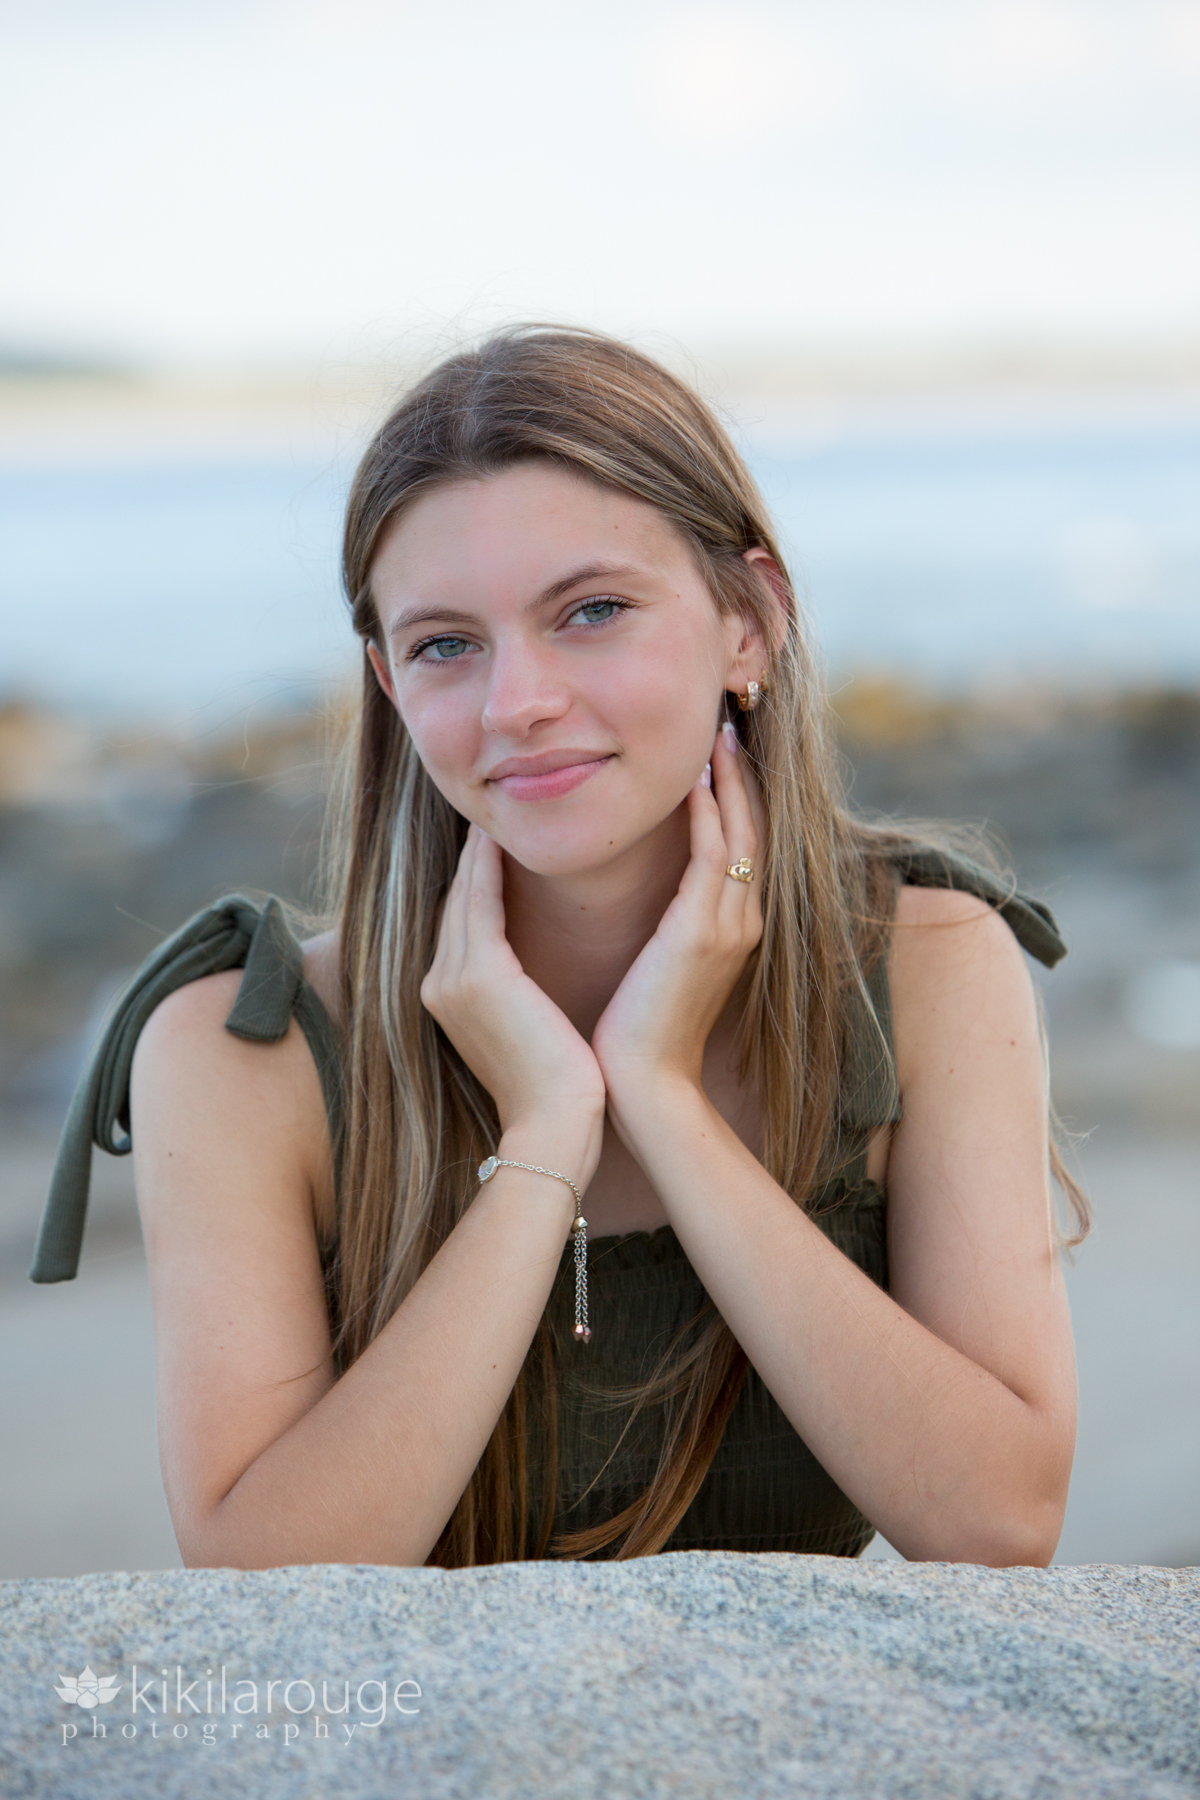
column 576, row 935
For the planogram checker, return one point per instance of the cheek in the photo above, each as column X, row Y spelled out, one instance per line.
column 445, row 733
column 671, row 705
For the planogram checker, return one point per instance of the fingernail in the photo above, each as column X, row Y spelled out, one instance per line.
column 729, row 733
column 706, row 778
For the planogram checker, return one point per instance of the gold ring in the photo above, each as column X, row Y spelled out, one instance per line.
column 742, row 870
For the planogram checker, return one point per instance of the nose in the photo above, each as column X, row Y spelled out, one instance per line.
column 523, row 691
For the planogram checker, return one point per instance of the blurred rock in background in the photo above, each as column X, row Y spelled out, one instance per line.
column 108, row 842
column 1098, row 804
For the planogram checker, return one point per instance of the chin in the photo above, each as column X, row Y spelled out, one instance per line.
column 560, row 859
column 579, row 849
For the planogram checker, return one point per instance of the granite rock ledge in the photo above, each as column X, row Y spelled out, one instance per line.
column 694, row 1674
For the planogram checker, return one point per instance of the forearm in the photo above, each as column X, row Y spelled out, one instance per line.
column 372, row 1472
column 944, row 1458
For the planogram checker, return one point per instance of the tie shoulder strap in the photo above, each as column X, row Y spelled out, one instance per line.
column 231, row 934
column 1031, row 921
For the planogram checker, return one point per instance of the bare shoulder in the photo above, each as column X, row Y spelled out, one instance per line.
column 956, row 972
column 935, row 907
column 942, row 933
column 192, row 1011
column 187, row 1030
column 230, row 1099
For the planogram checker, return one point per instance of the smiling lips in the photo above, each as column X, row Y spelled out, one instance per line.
column 546, row 777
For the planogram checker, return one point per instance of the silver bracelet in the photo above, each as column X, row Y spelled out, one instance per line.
column 581, row 1331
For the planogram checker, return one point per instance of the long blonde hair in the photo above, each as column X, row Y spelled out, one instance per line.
column 417, row 1121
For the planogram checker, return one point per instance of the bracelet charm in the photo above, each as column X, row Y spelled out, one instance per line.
column 580, row 1331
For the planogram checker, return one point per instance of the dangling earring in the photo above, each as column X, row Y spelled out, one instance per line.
column 753, row 694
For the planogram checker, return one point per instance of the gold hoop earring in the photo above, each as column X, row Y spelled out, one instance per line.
column 753, row 694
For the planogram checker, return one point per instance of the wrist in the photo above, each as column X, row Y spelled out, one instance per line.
column 645, row 1092
column 566, row 1141
column 655, row 1117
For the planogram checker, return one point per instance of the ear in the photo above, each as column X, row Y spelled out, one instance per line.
column 383, row 673
column 751, row 650
column 771, row 575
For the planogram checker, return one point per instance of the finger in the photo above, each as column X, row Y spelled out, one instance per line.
column 709, row 851
column 485, row 894
column 455, row 921
column 733, row 796
column 745, row 822
column 445, row 961
column 741, row 902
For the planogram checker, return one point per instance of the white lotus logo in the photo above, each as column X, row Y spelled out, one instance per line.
column 90, row 1689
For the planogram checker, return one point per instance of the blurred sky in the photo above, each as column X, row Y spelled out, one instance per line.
column 190, row 180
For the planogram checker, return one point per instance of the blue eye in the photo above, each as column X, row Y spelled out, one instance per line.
column 607, row 609
column 446, row 649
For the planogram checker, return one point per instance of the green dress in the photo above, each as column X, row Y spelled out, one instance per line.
column 765, row 1490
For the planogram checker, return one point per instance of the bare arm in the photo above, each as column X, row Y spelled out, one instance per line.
column 945, row 1409
column 267, row 1458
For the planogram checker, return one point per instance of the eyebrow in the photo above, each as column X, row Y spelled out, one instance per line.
column 594, row 571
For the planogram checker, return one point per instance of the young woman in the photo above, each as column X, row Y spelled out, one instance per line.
column 606, row 936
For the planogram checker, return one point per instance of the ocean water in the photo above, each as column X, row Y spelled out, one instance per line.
column 186, row 590
column 970, row 558
column 959, row 555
